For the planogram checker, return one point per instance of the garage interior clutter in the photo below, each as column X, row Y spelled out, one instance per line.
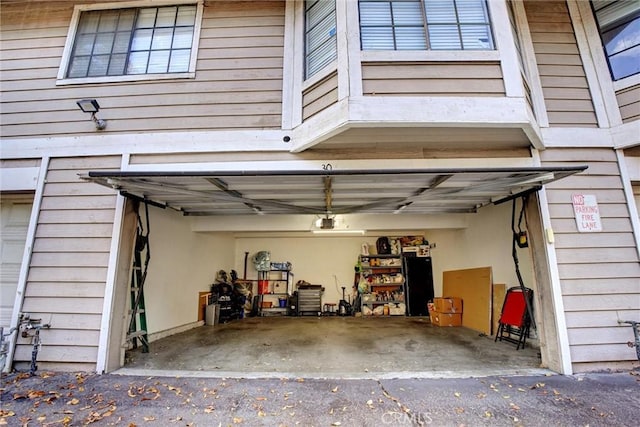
column 393, row 277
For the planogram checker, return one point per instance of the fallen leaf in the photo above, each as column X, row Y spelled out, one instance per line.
column 521, row 389
column 488, row 414
column 514, row 406
column 481, row 395
column 337, row 423
column 73, row 401
column 261, row 414
column 3, row 422
column 556, row 392
column 4, row 413
column 35, row 394
column 334, row 390
column 459, row 410
column 41, row 418
column 261, row 398
column 149, row 418
column 300, row 380
column 237, row 420
column 537, row 385
column 457, row 394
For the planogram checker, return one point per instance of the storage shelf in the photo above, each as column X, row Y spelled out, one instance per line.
column 382, row 302
column 387, row 284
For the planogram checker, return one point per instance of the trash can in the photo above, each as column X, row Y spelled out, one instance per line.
column 212, row 314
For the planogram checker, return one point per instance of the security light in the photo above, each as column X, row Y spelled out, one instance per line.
column 92, row 106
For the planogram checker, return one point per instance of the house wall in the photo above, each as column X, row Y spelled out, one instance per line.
column 564, row 84
column 433, row 78
column 629, row 103
column 319, row 96
column 238, row 82
column 66, row 281
column 599, row 272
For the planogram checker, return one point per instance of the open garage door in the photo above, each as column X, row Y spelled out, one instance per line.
column 185, row 255
column 330, row 192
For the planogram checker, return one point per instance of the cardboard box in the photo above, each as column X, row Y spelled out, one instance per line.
column 446, row 319
column 448, row 305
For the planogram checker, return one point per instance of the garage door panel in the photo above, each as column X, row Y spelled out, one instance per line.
column 15, row 214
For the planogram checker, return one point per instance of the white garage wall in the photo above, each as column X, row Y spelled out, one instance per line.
column 486, row 242
column 182, row 264
column 314, row 259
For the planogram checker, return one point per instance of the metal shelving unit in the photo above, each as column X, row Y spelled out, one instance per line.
column 278, row 287
column 385, row 276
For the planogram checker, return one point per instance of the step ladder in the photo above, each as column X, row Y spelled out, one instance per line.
column 138, row 319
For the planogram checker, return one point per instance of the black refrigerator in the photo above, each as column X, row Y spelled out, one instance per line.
column 418, row 274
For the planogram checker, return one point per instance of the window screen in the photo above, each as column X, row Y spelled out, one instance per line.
column 133, row 41
column 320, row 35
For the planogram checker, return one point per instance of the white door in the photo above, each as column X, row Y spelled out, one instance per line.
column 15, row 212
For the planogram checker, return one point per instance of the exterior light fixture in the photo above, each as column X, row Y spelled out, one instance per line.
column 92, row 106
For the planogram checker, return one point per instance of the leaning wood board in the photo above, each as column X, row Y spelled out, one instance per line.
column 499, row 291
column 474, row 286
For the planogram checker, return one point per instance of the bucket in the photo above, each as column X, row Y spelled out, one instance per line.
column 263, row 287
column 283, row 302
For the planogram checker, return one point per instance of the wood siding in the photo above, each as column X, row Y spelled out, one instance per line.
column 564, row 84
column 320, row 96
column 629, row 103
column 68, row 269
column 432, row 79
column 599, row 272
column 238, row 83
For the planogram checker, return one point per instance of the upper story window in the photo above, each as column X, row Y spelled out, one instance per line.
column 619, row 25
column 320, row 34
column 110, row 44
column 425, row 24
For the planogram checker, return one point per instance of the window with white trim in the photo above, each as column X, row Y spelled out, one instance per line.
column 320, row 35
column 619, row 25
column 133, row 41
column 425, row 25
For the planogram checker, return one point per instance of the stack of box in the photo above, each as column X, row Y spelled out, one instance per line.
column 446, row 311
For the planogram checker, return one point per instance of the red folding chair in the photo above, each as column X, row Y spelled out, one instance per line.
column 515, row 322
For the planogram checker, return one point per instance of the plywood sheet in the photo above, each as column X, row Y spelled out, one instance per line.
column 474, row 286
column 499, row 291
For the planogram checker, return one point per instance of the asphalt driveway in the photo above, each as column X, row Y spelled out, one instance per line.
column 74, row 399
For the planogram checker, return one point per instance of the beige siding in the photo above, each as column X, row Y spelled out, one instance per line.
column 238, row 81
column 68, row 268
column 432, row 79
column 320, row 96
column 629, row 103
column 566, row 93
column 599, row 272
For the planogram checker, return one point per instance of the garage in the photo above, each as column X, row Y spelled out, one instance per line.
column 320, row 224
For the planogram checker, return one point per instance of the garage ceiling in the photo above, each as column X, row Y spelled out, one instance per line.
column 330, row 192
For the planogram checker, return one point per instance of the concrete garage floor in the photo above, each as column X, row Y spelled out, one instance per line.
column 332, row 347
